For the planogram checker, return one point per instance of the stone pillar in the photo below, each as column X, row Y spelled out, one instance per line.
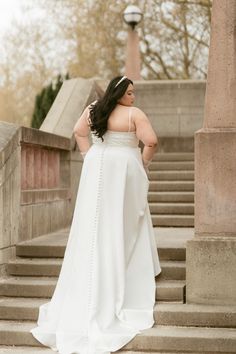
column 211, row 255
column 132, row 64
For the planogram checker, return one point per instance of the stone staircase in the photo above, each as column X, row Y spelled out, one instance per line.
column 171, row 190
column 179, row 327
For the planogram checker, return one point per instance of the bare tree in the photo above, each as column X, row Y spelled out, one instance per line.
column 175, row 38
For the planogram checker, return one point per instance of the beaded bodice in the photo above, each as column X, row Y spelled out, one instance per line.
column 117, row 138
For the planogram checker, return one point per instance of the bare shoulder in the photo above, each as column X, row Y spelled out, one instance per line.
column 138, row 114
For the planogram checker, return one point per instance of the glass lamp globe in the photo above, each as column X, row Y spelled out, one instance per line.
column 132, row 15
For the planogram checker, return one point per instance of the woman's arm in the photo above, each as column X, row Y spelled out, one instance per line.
column 146, row 134
column 81, row 132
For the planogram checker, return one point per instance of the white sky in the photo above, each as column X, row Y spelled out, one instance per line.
column 9, row 9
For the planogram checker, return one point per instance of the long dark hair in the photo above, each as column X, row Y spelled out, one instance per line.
column 102, row 108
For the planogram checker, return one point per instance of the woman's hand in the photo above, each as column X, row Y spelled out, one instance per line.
column 146, row 164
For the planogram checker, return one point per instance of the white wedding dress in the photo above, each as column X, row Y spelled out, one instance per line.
column 105, row 293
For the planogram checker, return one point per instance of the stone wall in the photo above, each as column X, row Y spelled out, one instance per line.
column 9, row 190
column 174, row 107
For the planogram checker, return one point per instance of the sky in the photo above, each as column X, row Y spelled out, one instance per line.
column 9, row 10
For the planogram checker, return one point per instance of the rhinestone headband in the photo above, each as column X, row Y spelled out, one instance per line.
column 122, row 79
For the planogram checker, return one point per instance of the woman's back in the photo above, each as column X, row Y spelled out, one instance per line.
column 121, row 119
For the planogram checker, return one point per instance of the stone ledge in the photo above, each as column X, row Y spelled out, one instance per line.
column 39, row 137
column 44, row 195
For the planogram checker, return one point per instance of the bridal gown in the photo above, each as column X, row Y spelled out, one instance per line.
column 105, row 293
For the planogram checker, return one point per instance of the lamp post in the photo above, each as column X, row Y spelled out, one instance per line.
column 132, row 16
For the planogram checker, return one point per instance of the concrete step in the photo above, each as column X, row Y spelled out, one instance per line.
column 171, row 175
column 20, row 308
column 176, row 314
column 172, row 254
column 171, row 244
column 171, row 208
column 171, row 196
column 24, row 350
column 158, row 338
column 169, row 290
column 28, row 286
column 50, row 245
column 46, row 246
column 173, row 156
column 171, row 186
column 173, row 220
column 27, row 309
column 185, row 340
column 50, row 267
column 172, row 270
column 175, row 165
column 43, row 287
column 34, row 250
column 38, row 350
column 168, row 314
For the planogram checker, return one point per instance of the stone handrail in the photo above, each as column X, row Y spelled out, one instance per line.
column 40, row 170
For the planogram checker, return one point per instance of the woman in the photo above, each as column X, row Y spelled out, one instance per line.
column 106, row 288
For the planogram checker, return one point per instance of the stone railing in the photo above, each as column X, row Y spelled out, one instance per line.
column 40, row 170
column 45, row 183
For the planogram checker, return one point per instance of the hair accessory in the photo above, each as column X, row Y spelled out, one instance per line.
column 123, row 78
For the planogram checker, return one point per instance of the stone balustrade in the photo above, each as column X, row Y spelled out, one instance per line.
column 40, row 171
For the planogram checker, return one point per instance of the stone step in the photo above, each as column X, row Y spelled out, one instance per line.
column 173, row 156
column 39, row 350
column 172, row 254
column 176, row 314
column 171, row 186
column 50, row 267
column 172, row 270
column 28, row 286
column 49, row 245
column 167, row 314
column 171, row 175
column 20, row 308
column 34, row 249
column 24, row 350
column 173, row 220
column 171, row 314
column 171, row 196
column 43, row 287
column 171, row 208
column 169, row 290
column 175, row 165
column 45, row 247
column 158, row 338
column 185, row 340
column 171, row 244
column 27, row 309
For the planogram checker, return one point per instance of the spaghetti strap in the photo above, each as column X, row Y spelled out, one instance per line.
column 129, row 118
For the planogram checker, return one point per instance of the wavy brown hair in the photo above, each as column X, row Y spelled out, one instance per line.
column 102, row 108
